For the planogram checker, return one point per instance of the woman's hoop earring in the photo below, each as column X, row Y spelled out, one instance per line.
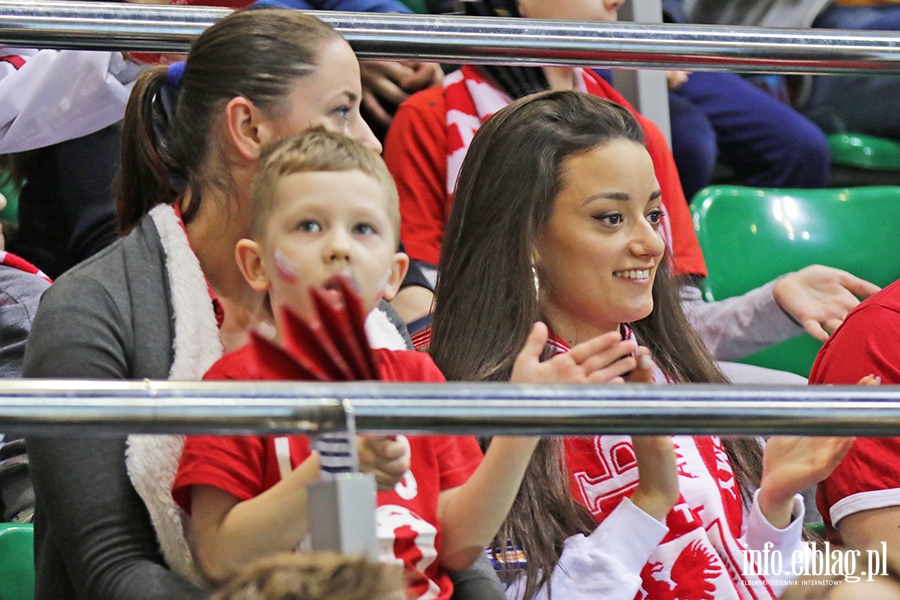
column 537, row 282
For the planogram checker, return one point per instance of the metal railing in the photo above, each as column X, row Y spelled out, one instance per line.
column 71, row 407
column 54, row 407
column 102, row 26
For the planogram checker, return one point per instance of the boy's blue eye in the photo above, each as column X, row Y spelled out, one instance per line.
column 308, row 226
column 364, row 229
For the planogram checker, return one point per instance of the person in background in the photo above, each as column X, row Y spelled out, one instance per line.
column 21, row 287
column 860, row 501
column 836, row 103
column 59, row 138
column 722, row 118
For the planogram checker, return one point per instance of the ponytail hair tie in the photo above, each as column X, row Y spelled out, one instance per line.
column 173, row 77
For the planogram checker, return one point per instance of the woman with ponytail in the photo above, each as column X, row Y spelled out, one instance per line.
column 151, row 305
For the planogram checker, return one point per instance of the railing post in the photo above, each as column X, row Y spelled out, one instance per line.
column 342, row 506
column 647, row 90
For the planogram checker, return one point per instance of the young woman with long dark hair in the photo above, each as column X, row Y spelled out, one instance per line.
column 558, row 217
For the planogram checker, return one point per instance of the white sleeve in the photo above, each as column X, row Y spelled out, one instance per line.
column 736, row 327
column 50, row 96
column 787, row 542
column 607, row 563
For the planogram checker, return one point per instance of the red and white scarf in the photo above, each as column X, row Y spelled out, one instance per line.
column 17, row 262
column 471, row 98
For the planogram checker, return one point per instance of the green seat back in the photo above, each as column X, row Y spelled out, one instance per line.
column 817, row 528
column 11, row 211
column 16, row 561
column 417, row 6
column 864, row 151
column 750, row 236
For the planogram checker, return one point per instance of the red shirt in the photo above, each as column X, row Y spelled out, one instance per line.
column 407, row 520
column 866, row 343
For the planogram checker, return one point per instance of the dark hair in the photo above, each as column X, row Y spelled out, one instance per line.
column 255, row 54
column 504, row 199
column 516, row 81
column 486, row 301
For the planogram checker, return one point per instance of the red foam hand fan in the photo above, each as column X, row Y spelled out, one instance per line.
column 331, row 346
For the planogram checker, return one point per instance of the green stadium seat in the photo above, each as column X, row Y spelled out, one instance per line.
column 417, row 6
column 10, row 213
column 750, row 236
column 16, row 561
column 816, row 528
column 864, row 151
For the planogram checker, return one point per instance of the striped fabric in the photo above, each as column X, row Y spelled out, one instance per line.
column 337, row 453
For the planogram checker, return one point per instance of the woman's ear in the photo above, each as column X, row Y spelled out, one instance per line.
column 246, row 130
column 248, row 255
column 399, row 267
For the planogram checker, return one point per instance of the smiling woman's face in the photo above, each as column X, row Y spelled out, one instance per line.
column 598, row 255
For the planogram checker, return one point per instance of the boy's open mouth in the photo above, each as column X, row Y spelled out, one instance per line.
column 333, row 283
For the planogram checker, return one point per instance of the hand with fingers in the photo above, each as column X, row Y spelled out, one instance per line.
column 387, row 457
column 819, row 297
column 606, row 358
column 386, row 84
column 792, row 464
column 870, row 380
column 675, row 79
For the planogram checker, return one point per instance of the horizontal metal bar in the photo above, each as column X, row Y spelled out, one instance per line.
column 113, row 26
column 55, row 407
column 40, row 407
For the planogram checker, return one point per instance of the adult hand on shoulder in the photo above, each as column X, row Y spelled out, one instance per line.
column 385, row 456
column 792, row 464
column 603, row 359
column 819, row 297
column 386, row 84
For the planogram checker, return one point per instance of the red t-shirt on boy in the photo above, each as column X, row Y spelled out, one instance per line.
column 407, row 521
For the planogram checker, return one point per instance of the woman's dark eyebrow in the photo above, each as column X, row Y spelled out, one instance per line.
column 621, row 196
column 655, row 195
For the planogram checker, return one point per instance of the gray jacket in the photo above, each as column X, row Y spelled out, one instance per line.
column 108, row 318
